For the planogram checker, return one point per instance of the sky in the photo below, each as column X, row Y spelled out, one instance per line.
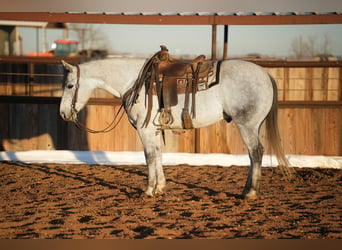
column 270, row 40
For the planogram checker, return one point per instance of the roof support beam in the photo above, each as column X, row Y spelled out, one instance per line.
column 213, row 41
column 279, row 19
column 225, row 43
column 173, row 19
column 107, row 18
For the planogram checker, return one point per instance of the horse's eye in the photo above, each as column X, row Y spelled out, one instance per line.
column 70, row 86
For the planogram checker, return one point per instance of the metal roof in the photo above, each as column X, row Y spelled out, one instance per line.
column 192, row 18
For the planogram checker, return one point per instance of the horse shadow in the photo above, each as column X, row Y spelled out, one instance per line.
column 209, row 191
column 81, row 177
column 129, row 190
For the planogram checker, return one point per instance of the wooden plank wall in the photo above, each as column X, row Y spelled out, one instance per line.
column 310, row 119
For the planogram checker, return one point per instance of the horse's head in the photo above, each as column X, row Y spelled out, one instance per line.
column 76, row 92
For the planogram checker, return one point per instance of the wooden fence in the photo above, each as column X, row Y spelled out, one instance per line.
column 310, row 114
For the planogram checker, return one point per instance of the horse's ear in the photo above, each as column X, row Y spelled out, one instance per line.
column 68, row 66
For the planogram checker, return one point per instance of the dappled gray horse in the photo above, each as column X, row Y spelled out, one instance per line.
column 245, row 94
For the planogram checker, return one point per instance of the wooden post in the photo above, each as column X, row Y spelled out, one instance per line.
column 29, row 87
column 225, row 44
column 340, row 89
column 37, row 40
column 213, row 42
column 213, row 57
column 44, row 40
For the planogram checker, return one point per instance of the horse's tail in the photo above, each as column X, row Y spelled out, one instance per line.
column 273, row 135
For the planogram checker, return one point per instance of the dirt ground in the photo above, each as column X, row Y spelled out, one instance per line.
column 52, row 201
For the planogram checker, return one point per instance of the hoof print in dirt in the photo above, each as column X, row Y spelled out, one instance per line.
column 143, row 232
column 85, row 219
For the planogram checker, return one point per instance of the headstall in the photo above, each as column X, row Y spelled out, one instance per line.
column 75, row 97
column 80, row 125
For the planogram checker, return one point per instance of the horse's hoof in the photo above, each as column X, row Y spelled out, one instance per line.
column 149, row 192
column 159, row 189
column 251, row 195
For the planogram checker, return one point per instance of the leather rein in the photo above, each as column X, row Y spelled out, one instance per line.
column 80, row 125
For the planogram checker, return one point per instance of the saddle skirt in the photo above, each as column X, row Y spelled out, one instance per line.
column 175, row 77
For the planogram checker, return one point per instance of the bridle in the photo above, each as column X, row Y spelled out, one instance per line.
column 77, row 86
column 80, row 125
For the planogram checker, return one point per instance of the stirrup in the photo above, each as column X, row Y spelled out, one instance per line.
column 165, row 118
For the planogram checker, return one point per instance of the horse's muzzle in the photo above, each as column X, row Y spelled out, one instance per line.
column 70, row 118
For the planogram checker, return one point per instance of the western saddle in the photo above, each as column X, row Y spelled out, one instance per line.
column 167, row 77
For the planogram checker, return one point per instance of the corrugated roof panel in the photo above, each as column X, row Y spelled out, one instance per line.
column 188, row 14
column 132, row 13
column 113, row 13
column 207, row 13
column 236, row 13
column 152, row 13
column 168, row 13
column 178, row 5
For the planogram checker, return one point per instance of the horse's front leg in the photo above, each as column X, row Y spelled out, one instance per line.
column 153, row 155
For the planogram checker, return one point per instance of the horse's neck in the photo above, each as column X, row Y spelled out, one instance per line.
column 118, row 75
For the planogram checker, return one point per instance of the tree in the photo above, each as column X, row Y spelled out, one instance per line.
column 91, row 37
column 310, row 47
column 326, row 45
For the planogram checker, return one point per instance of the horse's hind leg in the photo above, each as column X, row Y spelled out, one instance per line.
column 255, row 149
